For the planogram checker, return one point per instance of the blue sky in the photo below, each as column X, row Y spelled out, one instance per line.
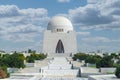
column 96, row 22
column 54, row 7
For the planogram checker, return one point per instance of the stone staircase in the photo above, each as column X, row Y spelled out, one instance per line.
column 59, row 67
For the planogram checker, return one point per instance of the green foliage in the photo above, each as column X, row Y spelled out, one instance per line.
column 34, row 57
column 30, row 59
column 21, row 56
column 90, row 59
column 3, row 59
column 80, row 56
column 0, row 54
column 106, row 61
column 118, row 61
column 117, row 72
column 93, row 59
column 14, row 60
column 119, row 54
column 2, row 63
column 114, row 55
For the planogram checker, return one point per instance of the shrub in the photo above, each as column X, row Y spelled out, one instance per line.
column 2, row 74
column 34, row 56
column 105, row 62
column 30, row 59
column 117, row 72
column 15, row 61
column 90, row 59
column 80, row 56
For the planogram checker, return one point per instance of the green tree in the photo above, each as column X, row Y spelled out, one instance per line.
column 119, row 54
column 30, row 59
column 90, row 59
column 117, row 72
column 42, row 56
column 22, row 57
column 118, row 62
column 34, row 57
column 80, row 56
column 105, row 62
column 114, row 55
column 2, row 62
column 15, row 60
column 3, row 59
column 0, row 55
column 93, row 59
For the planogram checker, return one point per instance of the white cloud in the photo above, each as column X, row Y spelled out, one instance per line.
column 103, row 14
column 9, row 11
column 83, row 33
column 100, row 39
column 99, row 43
column 96, row 1
column 21, row 24
column 63, row 1
column 35, row 46
column 85, row 47
column 21, row 32
column 92, row 1
column 96, row 39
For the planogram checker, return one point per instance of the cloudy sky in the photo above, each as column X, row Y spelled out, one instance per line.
column 97, row 23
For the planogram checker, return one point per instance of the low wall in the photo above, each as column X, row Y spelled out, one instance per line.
column 30, row 64
column 12, row 70
column 86, row 71
column 57, row 67
column 103, row 77
column 107, row 70
column 90, row 65
column 60, row 73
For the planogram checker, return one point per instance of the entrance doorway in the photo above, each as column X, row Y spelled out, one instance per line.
column 59, row 47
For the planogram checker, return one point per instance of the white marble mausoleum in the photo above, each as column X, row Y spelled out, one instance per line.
column 60, row 37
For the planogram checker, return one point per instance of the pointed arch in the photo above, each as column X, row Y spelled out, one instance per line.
column 59, row 47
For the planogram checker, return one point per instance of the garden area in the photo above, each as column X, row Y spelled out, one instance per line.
column 105, row 61
column 17, row 60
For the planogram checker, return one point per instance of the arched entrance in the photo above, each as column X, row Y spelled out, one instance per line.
column 59, row 47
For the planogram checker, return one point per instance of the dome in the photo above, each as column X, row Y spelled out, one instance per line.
column 60, row 24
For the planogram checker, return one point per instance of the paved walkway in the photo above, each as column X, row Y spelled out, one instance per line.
column 28, row 72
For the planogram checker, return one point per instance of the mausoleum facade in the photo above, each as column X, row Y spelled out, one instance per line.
column 60, row 37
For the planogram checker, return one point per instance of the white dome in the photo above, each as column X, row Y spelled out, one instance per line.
column 60, row 24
